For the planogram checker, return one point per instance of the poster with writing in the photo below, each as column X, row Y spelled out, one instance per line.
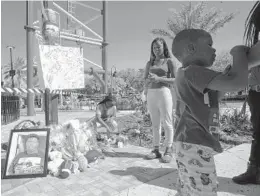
column 61, row 67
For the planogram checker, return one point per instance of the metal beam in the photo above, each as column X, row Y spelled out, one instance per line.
column 104, row 46
column 43, row 10
column 88, row 6
column 88, row 21
column 73, row 37
column 93, row 63
column 79, row 22
column 78, row 36
column 91, row 70
column 95, row 74
column 80, row 40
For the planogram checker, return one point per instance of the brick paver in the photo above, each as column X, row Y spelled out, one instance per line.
column 109, row 177
column 63, row 116
column 123, row 172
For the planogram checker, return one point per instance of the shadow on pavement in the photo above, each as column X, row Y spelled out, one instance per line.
column 150, row 176
column 143, row 174
column 228, row 186
column 122, row 154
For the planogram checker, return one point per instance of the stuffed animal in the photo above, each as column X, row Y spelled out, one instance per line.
column 75, row 144
column 73, row 139
column 83, row 162
column 94, row 155
column 55, row 163
column 68, row 167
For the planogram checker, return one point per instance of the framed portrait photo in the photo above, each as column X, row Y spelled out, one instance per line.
column 27, row 153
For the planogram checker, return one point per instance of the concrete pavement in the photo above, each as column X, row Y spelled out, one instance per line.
column 228, row 163
column 124, row 172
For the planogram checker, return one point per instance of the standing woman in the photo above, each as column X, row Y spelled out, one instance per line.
column 252, row 175
column 159, row 77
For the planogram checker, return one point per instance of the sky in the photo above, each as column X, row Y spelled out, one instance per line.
column 129, row 24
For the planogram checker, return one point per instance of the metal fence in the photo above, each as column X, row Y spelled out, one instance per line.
column 10, row 109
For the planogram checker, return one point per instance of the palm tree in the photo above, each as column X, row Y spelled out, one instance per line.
column 194, row 16
column 20, row 78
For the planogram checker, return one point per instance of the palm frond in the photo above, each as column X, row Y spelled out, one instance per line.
column 209, row 17
column 161, row 32
column 174, row 27
column 219, row 24
column 194, row 16
column 198, row 10
column 175, row 22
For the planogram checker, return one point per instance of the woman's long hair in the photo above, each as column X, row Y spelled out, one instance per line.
column 165, row 49
column 252, row 29
column 106, row 99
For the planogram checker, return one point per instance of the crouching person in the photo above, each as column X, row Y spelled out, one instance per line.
column 105, row 115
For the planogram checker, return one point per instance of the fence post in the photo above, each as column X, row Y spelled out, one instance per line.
column 47, row 106
column 54, row 108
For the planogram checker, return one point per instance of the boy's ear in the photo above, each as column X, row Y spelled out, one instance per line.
column 191, row 48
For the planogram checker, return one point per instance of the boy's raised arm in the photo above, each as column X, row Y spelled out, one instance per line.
column 236, row 78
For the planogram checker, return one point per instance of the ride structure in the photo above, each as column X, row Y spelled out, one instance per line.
column 47, row 30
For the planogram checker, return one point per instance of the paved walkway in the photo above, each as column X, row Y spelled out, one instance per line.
column 124, row 172
column 122, row 169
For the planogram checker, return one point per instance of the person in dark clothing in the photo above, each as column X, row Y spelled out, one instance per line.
column 252, row 175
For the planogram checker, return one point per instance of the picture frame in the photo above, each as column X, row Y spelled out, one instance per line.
column 27, row 153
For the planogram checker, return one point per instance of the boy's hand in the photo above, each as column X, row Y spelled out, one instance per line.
column 227, row 69
column 239, row 49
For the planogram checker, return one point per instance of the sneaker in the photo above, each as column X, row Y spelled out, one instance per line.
column 167, row 156
column 155, row 154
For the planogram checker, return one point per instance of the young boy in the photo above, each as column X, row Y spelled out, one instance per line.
column 197, row 108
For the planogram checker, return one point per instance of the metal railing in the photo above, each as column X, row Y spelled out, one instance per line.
column 10, row 109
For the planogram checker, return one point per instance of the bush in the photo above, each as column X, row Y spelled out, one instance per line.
column 235, row 128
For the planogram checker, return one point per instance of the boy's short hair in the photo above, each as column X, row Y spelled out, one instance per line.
column 183, row 39
column 33, row 136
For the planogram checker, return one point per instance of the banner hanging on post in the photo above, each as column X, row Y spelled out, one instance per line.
column 61, row 67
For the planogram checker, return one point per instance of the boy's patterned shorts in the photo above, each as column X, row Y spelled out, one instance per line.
column 196, row 170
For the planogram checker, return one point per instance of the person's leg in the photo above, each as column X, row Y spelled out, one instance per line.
column 197, row 171
column 152, row 104
column 252, row 175
column 165, row 106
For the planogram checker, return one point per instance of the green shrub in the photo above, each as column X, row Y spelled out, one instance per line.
column 235, row 128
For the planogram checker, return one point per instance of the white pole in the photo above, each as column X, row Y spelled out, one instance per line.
column 99, row 66
column 90, row 20
column 80, row 40
column 78, row 36
column 87, row 6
